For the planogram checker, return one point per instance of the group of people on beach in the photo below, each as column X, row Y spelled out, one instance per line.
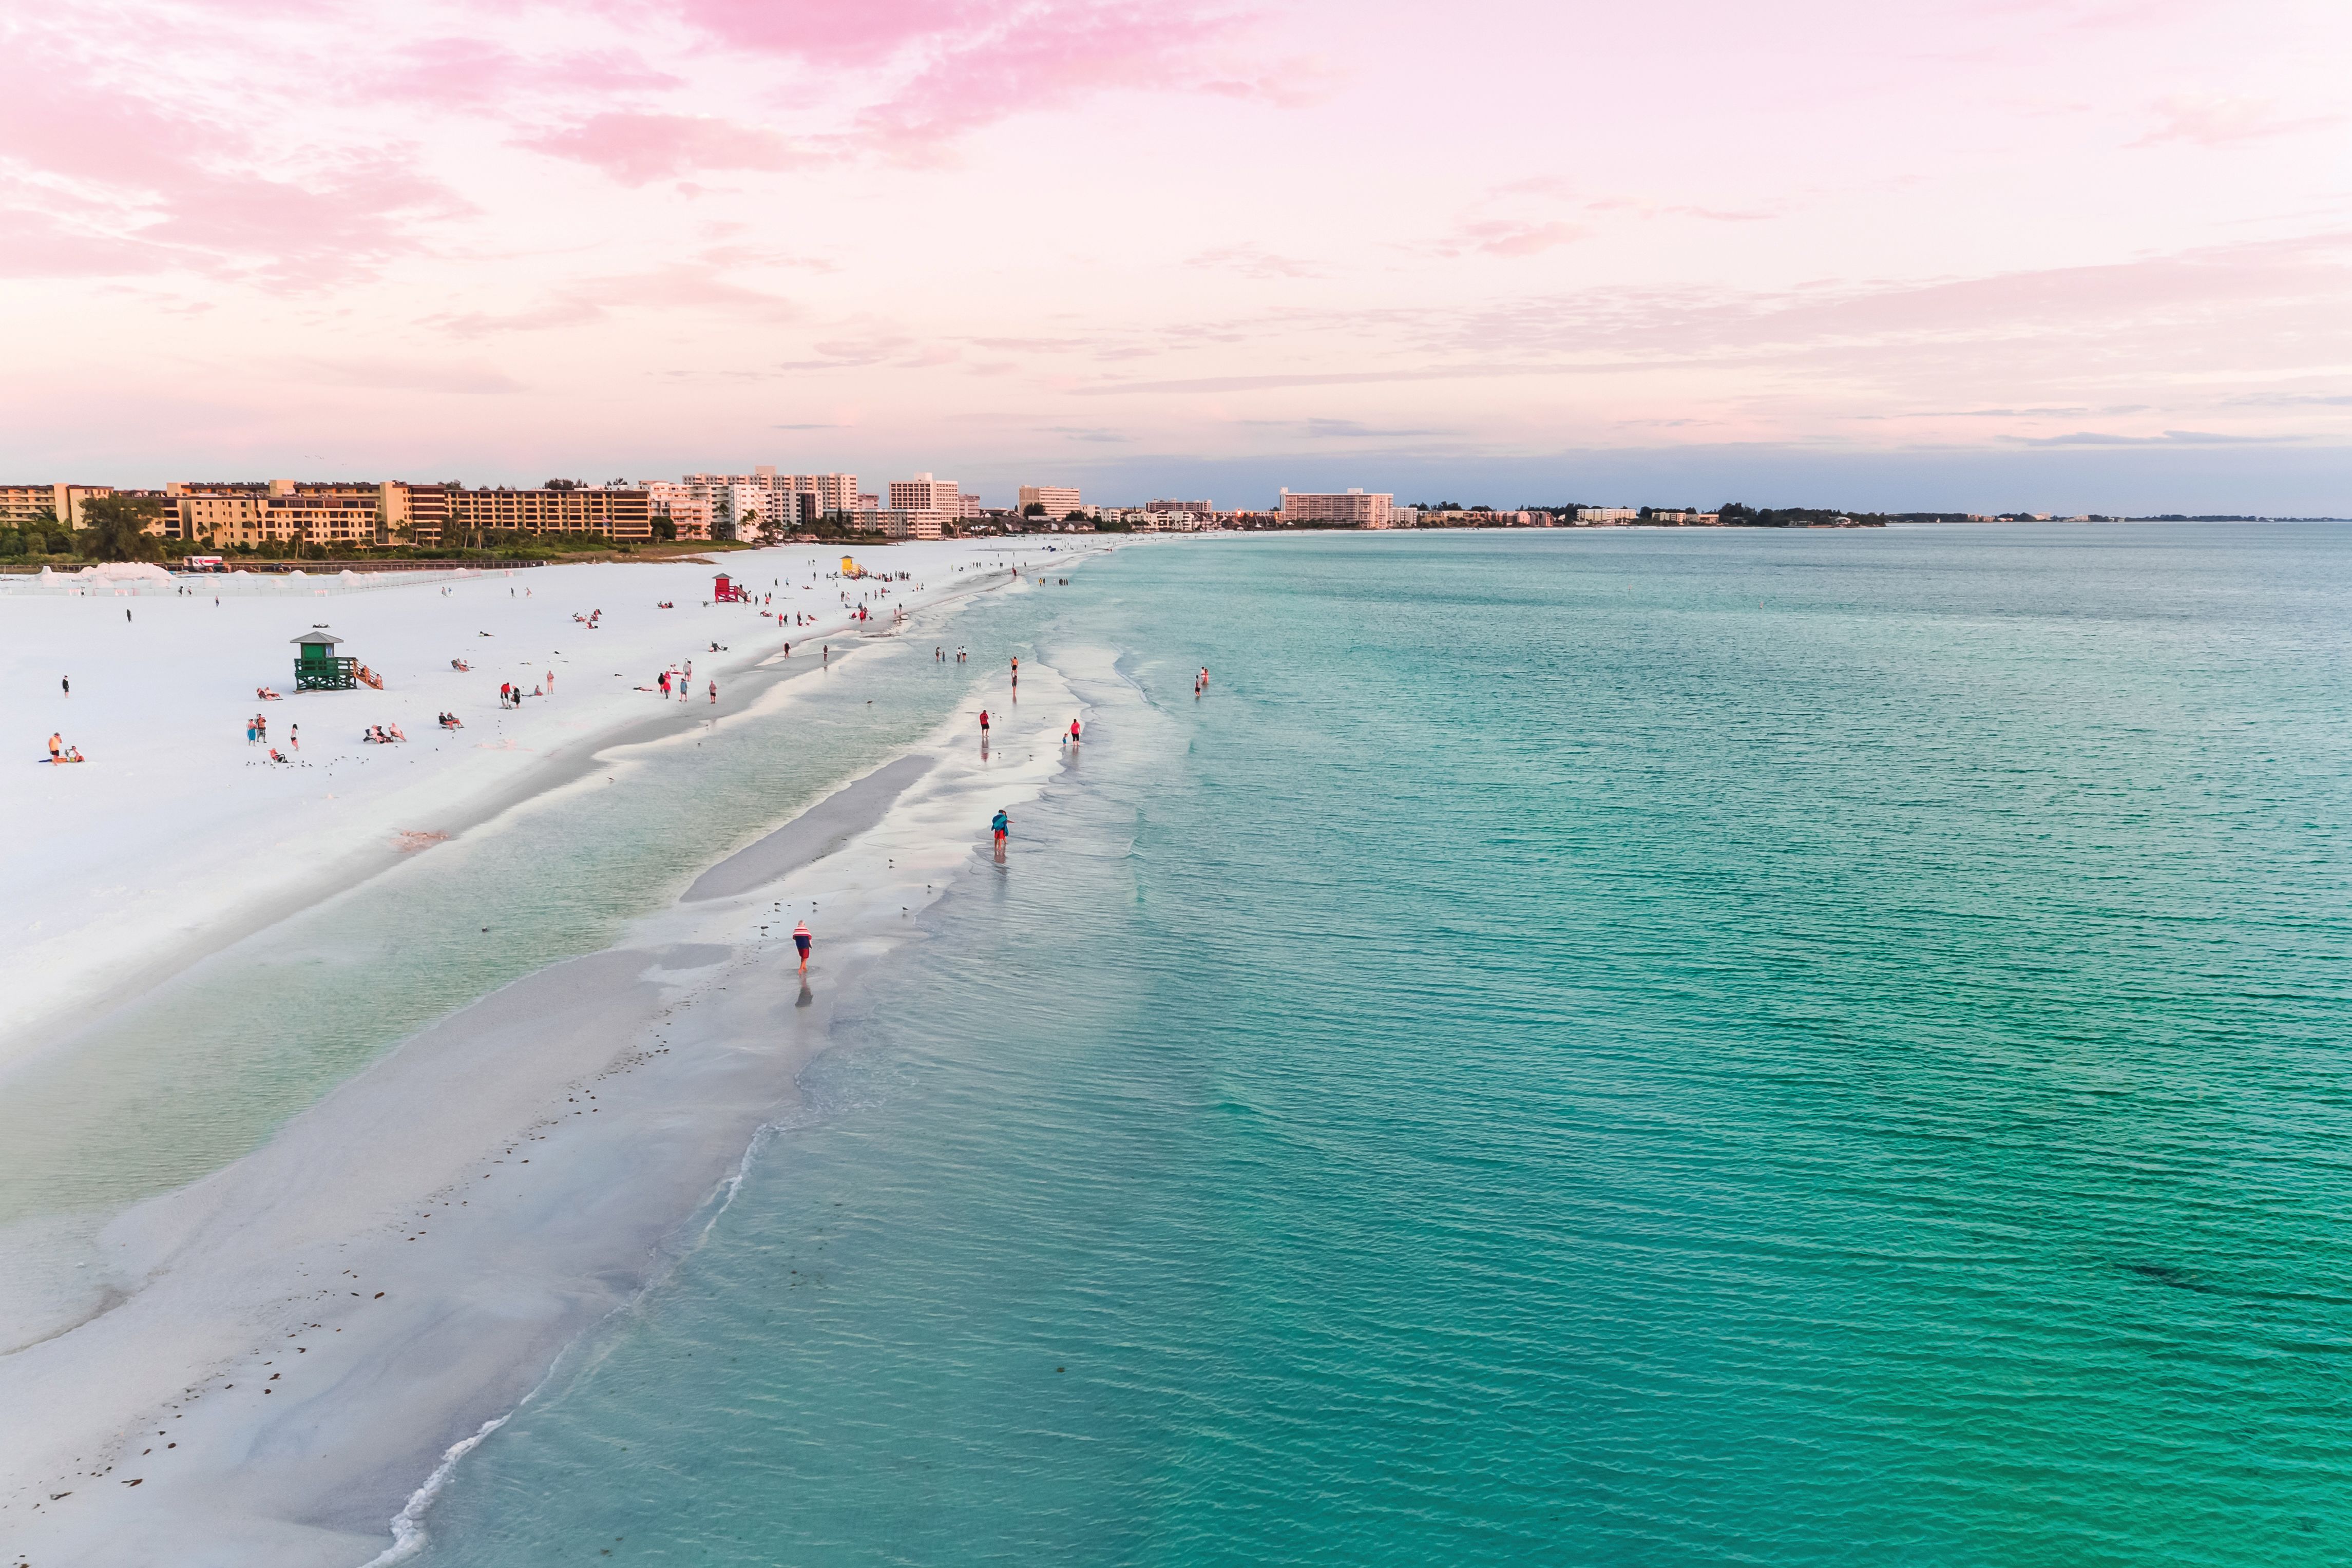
column 61, row 753
column 384, row 734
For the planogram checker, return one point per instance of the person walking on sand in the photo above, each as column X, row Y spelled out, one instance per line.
column 67, row 683
column 983, row 726
column 801, row 938
column 294, row 736
column 665, row 683
column 714, row 692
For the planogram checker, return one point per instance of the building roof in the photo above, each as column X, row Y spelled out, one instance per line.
column 322, row 636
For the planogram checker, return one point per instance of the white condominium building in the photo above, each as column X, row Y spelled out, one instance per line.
column 1059, row 501
column 924, row 493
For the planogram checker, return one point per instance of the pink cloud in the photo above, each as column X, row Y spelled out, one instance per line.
column 1035, row 57
column 129, row 182
column 635, row 149
column 683, row 286
column 1256, row 261
column 861, row 34
column 1502, row 237
column 2211, row 121
column 481, row 75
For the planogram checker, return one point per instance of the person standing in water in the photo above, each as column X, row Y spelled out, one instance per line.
column 801, row 939
column 1073, row 732
column 999, row 824
column 983, row 726
column 714, row 691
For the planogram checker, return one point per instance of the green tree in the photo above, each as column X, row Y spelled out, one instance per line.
column 117, row 527
column 1034, row 508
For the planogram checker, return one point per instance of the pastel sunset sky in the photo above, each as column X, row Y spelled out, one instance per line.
column 2073, row 254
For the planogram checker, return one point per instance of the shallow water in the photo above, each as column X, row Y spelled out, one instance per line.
column 198, row 1072
column 1627, row 1049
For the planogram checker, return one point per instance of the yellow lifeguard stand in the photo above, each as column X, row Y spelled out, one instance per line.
column 850, row 568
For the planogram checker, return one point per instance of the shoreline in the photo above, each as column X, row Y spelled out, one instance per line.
column 454, row 806
column 633, row 1082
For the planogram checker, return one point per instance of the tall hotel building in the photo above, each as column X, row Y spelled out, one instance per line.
column 832, row 493
column 1059, row 501
column 1353, row 509
column 924, row 493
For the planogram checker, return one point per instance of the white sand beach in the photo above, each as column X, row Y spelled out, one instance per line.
column 267, row 1366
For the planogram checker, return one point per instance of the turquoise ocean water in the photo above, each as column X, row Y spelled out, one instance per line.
column 1628, row 1048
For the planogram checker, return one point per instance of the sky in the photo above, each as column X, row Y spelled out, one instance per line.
column 2050, row 254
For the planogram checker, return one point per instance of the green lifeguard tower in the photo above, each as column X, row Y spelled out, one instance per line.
column 316, row 667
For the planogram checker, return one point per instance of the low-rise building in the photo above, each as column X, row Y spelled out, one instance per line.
column 339, row 515
column 453, row 514
column 897, row 523
column 1589, row 514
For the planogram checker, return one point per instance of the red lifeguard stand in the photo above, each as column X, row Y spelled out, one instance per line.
column 725, row 590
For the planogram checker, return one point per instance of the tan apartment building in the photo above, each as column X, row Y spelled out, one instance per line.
column 23, row 503
column 455, row 514
column 276, row 514
column 1351, row 509
column 1059, row 501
